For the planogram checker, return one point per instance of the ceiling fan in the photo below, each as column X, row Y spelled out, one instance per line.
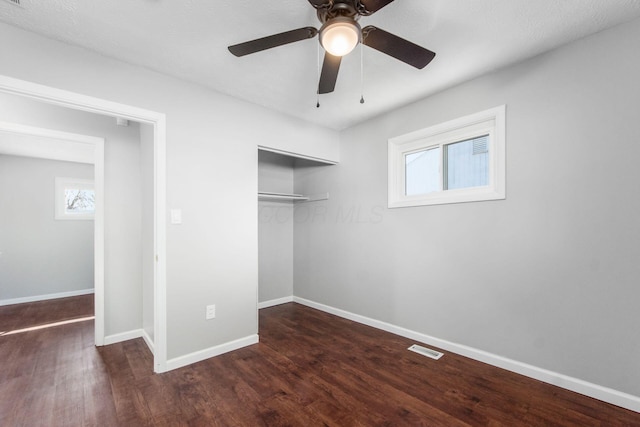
column 339, row 34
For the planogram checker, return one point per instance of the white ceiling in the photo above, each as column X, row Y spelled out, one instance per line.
column 188, row 39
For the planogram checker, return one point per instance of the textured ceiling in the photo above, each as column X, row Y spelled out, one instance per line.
column 188, row 39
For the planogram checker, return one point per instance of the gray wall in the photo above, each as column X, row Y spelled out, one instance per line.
column 123, row 265
column 40, row 255
column 548, row 276
column 275, row 228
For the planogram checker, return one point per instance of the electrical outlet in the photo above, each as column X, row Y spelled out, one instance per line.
column 211, row 312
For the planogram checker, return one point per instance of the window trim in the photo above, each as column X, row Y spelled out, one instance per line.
column 60, row 200
column 489, row 122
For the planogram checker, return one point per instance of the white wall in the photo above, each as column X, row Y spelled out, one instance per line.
column 211, row 176
column 275, row 228
column 123, row 271
column 40, row 255
column 548, row 276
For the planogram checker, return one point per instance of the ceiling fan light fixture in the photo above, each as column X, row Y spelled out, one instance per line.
column 339, row 36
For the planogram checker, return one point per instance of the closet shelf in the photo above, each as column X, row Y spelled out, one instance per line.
column 281, row 196
column 292, row 197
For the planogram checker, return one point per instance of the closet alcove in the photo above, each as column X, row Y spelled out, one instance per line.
column 278, row 198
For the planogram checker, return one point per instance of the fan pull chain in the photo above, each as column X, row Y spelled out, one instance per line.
column 361, row 73
column 317, row 87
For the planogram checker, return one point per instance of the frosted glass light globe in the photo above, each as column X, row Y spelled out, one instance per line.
column 340, row 36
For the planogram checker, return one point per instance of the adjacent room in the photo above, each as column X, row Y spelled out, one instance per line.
column 321, row 212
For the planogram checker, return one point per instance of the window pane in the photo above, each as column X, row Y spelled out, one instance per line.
column 467, row 163
column 422, row 171
column 79, row 201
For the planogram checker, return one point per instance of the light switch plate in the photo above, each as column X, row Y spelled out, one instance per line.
column 176, row 216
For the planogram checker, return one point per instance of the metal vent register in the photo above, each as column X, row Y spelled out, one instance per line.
column 426, row 351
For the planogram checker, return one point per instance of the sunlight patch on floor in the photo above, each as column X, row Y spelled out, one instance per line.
column 48, row 325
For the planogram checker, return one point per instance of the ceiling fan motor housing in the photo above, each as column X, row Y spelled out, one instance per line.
column 337, row 9
column 354, row 9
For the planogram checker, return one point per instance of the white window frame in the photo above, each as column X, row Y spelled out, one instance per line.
column 490, row 122
column 61, row 185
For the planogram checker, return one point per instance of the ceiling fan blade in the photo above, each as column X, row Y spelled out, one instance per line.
column 275, row 40
column 397, row 47
column 329, row 75
column 373, row 6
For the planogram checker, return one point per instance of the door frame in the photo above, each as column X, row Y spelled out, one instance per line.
column 90, row 104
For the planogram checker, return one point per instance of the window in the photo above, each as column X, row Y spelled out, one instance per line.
column 458, row 161
column 75, row 199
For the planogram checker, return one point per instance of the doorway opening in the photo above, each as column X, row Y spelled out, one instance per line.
column 156, row 122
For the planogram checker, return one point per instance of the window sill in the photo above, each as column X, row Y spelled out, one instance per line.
column 467, row 195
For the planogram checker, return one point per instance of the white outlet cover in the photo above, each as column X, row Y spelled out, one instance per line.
column 210, row 312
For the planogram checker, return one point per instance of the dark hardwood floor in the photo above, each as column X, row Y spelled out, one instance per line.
column 310, row 369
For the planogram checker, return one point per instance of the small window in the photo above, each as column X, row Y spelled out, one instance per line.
column 459, row 161
column 75, row 199
column 466, row 164
column 421, row 171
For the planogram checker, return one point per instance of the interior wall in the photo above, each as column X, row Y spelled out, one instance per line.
column 548, row 276
column 40, row 255
column 211, row 176
column 275, row 228
column 123, row 271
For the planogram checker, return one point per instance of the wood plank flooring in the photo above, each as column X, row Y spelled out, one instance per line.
column 309, row 369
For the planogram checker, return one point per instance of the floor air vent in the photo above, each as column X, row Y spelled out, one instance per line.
column 426, row 351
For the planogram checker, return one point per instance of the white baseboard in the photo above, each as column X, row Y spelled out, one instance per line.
column 148, row 340
column 130, row 335
column 45, row 297
column 276, row 301
column 207, row 353
column 595, row 391
column 123, row 336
